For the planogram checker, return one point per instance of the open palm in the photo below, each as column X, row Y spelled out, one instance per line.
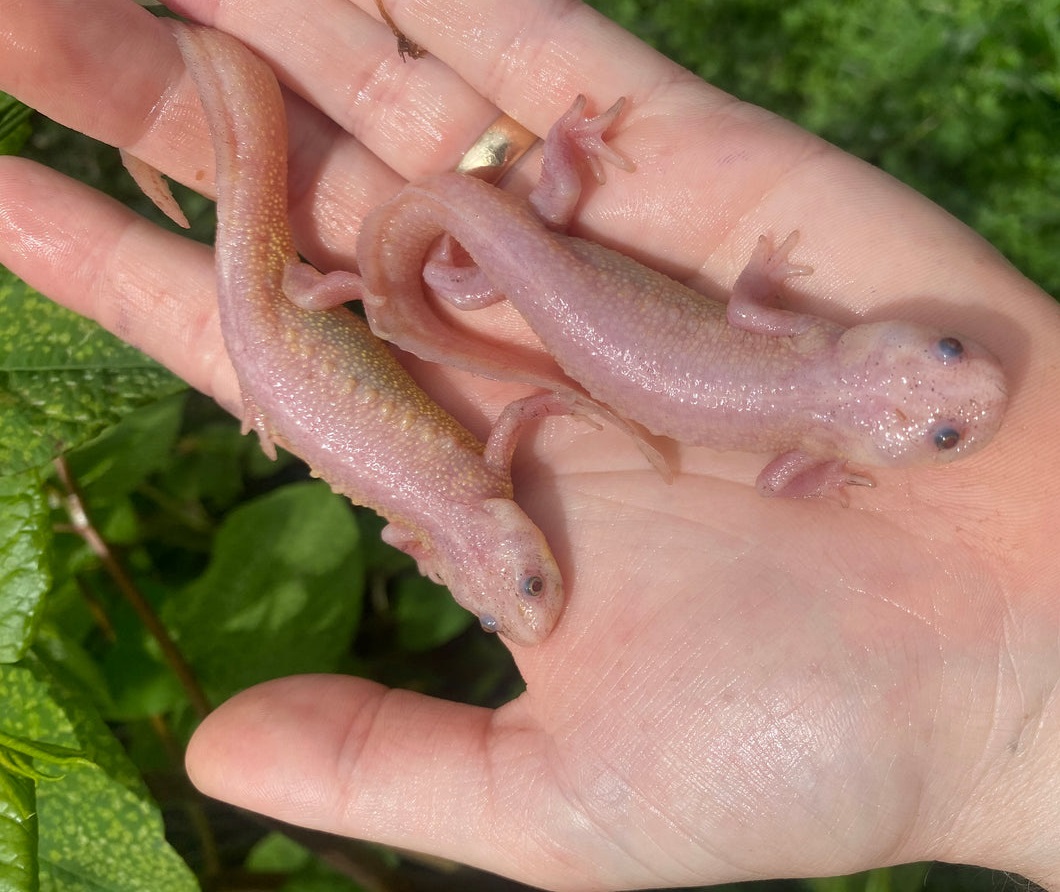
column 739, row 687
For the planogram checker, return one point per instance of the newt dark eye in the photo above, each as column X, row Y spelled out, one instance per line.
column 532, row 586
column 949, row 348
column 946, row 438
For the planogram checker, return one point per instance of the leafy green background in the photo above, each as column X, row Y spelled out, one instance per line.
column 959, row 99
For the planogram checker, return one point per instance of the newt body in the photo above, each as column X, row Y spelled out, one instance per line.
column 738, row 376
column 322, row 385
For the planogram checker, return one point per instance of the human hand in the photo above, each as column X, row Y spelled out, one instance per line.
column 739, row 687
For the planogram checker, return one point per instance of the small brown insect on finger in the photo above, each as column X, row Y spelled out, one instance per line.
column 406, row 47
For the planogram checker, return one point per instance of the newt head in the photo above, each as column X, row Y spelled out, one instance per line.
column 509, row 578
column 912, row 395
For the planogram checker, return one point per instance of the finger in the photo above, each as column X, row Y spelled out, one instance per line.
column 712, row 174
column 421, row 116
column 154, row 289
column 416, row 117
column 151, row 288
column 158, row 117
column 729, row 180
column 349, row 756
column 107, row 74
column 531, row 59
column 727, row 175
column 44, row 53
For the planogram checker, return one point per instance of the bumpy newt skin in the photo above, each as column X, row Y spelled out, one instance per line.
column 323, row 386
column 742, row 376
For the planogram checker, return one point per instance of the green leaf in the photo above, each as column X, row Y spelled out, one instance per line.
column 119, row 459
column 142, row 683
column 25, row 538
column 277, row 853
column 70, row 663
column 957, row 99
column 117, row 843
column 282, row 594
column 14, row 124
column 98, row 828
column 18, row 833
column 210, row 465
column 882, row 879
column 426, row 614
column 36, row 705
column 27, row 757
column 62, row 378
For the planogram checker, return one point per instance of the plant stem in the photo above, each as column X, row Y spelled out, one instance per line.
column 81, row 523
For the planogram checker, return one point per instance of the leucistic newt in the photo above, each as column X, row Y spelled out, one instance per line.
column 743, row 376
column 322, row 385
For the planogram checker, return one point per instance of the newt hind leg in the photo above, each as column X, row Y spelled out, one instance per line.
column 451, row 274
column 310, row 289
column 509, row 425
column 254, row 420
column 574, row 139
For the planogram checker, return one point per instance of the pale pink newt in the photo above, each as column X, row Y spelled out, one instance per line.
column 321, row 385
column 743, row 376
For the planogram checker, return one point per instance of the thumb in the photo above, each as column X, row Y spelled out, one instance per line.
column 353, row 757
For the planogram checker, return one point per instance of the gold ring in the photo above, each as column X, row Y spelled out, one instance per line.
column 494, row 153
